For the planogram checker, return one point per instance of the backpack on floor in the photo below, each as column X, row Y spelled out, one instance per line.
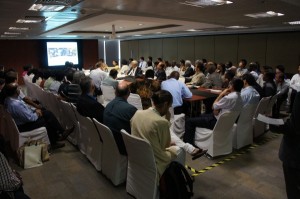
column 176, row 183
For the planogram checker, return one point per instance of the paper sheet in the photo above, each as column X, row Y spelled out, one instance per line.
column 269, row 120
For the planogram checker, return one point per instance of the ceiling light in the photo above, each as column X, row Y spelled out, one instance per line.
column 205, row 3
column 236, row 27
column 46, row 8
column 121, row 27
column 158, row 32
column 10, row 36
column 31, row 19
column 12, row 33
column 265, row 14
column 137, row 35
column 191, row 30
column 28, row 21
column 18, row 28
column 294, row 22
column 140, row 24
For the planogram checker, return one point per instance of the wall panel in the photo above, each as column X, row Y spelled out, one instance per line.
column 186, row 48
column 125, row 52
column 226, row 48
column 205, row 47
column 144, row 49
column 155, row 48
column 170, row 49
column 133, row 47
column 252, row 47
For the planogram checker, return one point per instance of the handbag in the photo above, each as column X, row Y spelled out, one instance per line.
column 33, row 153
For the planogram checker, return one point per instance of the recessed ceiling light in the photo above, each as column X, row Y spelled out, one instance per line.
column 12, row 33
column 10, row 36
column 158, row 32
column 236, row 27
column 18, row 28
column 294, row 22
column 140, row 24
column 265, row 14
column 118, row 36
column 137, row 35
column 191, row 30
column 121, row 27
column 28, row 21
column 46, row 8
column 205, row 3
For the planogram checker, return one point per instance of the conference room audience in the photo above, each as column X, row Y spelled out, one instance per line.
column 98, row 75
column 135, row 71
column 189, row 71
column 269, row 88
column 282, row 90
column 249, row 95
column 118, row 113
column 242, row 69
column 178, row 91
column 213, row 79
column 198, row 78
column 124, row 67
column 252, row 69
column 228, row 100
column 160, row 73
column 87, row 104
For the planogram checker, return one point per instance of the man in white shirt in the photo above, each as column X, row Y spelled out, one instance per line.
column 249, row 94
column 241, row 70
column 143, row 64
column 229, row 100
column 98, row 75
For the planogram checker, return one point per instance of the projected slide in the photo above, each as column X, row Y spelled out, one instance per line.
column 60, row 52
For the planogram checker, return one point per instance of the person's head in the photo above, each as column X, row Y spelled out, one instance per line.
column 12, row 90
column 124, row 62
column 149, row 74
column 173, row 63
column 150, row 58
column 175, row 75
column 27, row 67
column 229, row 75
column 101, row 60
column 142, row 58
column 161, row 66
column 199, row 67
column 87, row 86
column 115, row 63
column 242, row 63
column 252, row 66
column 269, row 76
column 279, row 69
column 134, row 64
column 123, row 90
column 221, row 68
column 188, row 63
column 266, row 69
column 11, row 77
column 228, row 64
column 182, row 62
column 248, row 79
column 236, row 85
column 211, row 67
column 113, row 73
column 279, row 77
column 159, row 59
column 162, row 101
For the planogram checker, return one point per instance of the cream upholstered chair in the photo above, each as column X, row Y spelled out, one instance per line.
column 272, row 101
column 17, row 138
column 219, row 140
column 177, row 123
column 114, row 165
column 259, row 127
column 142, row 175
column 91, row 143
column 243, row 129
column 135, row 100
column 108, row 93
column 69, row 119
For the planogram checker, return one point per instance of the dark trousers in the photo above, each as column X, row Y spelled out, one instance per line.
column 292, row 181
column 184, row 108
column 292, row 99
column 49, row 121
column 204, row 121
column 277, row 105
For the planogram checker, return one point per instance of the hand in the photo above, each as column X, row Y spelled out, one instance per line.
column 39, row 112
column 216, row 112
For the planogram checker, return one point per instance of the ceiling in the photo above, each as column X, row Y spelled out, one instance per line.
column 136, row 19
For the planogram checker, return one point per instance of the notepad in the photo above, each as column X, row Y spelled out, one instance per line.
column 269, row 120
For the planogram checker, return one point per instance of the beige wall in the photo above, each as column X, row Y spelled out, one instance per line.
column 266, row 48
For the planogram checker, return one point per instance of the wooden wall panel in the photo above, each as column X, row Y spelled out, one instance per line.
column 252, row 47
column 226, row 48
column 283, row 49
column 144, row 49
column 155, row 48
column 90, row 53
column 186, row 48
column 133, row 47
column 170, row 49
column 205, row 47
column 125, row 53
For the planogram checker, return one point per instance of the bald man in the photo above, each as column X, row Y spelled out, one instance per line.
column 118, row 113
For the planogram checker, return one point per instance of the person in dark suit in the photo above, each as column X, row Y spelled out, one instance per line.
column 289, row 152
column 87, row 104
column 135, row 70
column 118, row 113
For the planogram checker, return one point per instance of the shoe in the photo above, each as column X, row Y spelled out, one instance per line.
column 198, row 154
column 57, row 145
column 66, row 133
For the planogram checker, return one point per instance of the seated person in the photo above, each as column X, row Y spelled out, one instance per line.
column 87, row 104
column 27, row 119
column 118, row 113
column 110, row 80
column 160, row 73
column 228, row 100
column 282, row 90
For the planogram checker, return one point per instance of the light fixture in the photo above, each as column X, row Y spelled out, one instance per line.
column 294, row 22
column 46, row 8
column 8, row 36
column 140, row 24
column 12, row 33
column 205, row 3
column 191, row 30
column 265, row 14
column 31, row 19
column 236, row 27
column 137, row 35
column 18, row 28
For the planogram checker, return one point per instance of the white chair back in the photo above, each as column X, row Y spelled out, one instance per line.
column 219, row 140
column 114, row 165
column 108, row 94
column 243, row 129
column 135, row 100
column 259, row 127
column 142, row 175
column 271, row 104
